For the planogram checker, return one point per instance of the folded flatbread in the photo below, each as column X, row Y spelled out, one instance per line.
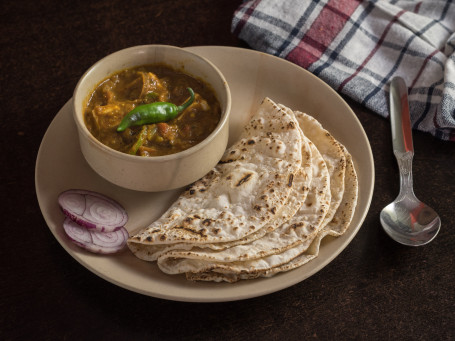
column 333, row 154
column 309, row 248
column 275, row 248
column 264, row 209
column 243, row 194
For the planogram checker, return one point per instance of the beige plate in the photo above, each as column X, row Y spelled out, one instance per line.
column 251, row 76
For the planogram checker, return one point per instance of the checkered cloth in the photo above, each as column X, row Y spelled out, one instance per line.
column 357, row 47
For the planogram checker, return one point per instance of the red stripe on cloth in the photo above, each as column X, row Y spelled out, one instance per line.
column 375, row 49
column 417, row 7
column 435, row 116
column 245, row 16
column 322, row 31
column 425, row 62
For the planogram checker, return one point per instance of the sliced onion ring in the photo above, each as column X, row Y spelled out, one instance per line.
column 94, row 241
column 93, row 210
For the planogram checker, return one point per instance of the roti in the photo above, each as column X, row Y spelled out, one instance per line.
column 240, row 196
column 333, row 154
column 310, row 247
column 284, row 186
column 275, row 248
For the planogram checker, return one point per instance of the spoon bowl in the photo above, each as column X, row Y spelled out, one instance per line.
column 410, row 222
column 407, row 220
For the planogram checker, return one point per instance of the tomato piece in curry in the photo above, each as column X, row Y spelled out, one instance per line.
column 120, row 93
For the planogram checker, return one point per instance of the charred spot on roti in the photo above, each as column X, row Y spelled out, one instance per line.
column 163, row 237
column 291, row 125
column 207, row 222
column 290, row 179
column 201, row 232
column 244, row 179
column 311, row 227
column 296, row 225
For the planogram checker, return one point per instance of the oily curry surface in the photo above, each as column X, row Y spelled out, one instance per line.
column 120, row 93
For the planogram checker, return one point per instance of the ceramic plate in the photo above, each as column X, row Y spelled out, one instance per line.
column 251, row 76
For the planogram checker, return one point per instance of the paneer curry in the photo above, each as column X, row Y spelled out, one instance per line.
column 128, row 89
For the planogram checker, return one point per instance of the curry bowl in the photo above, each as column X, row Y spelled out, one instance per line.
column 161, row 172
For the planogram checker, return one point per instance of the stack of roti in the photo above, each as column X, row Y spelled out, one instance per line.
column 264, row 209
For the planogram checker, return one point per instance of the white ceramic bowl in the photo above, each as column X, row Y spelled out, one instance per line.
column 156, row 173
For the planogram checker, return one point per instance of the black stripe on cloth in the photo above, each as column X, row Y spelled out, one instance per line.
column 276, row 22
column 430, row 91
column 345, row 62
column 248, row 12
column 297, row 28
column 399, row 60
column 333, row 55
column 428, row 104
column 443, row 16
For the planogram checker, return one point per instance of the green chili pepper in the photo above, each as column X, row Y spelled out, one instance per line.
column 154, row 113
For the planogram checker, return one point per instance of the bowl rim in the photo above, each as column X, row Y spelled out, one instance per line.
column 161, row 158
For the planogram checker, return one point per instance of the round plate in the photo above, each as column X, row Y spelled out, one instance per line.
column 251, row 76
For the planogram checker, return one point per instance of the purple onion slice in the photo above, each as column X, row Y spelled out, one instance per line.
column 92, row 210
column 94, row 241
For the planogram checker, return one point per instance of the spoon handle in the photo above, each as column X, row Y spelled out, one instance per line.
column 399, row 117
column 402, row 134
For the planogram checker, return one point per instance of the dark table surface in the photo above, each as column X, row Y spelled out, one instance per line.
column 375, row 289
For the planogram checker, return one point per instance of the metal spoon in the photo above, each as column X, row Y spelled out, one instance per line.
column 407, row 220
